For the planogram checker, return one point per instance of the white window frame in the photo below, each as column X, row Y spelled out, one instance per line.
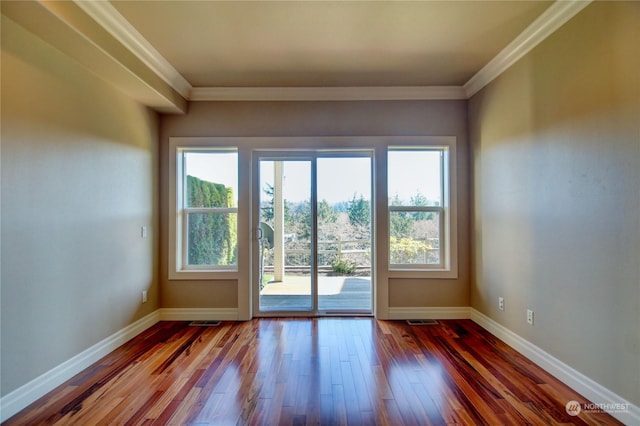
column 178, row 212
column 447, row 212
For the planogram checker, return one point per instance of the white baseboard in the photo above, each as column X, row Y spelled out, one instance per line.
column 30, row 392
column 198, row 314
column 26, row 394
column 582, row 384
column 453, row 312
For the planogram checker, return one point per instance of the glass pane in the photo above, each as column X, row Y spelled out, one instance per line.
column 414, row 177
column 285, row 246
column 212, row 239
column 344, row 233
column 414, row 238
column 211, row 179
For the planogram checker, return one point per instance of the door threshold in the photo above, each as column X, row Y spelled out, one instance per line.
column 321, row 314
column 346, row 313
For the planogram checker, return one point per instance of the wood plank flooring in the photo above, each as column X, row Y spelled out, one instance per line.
column 327, row 371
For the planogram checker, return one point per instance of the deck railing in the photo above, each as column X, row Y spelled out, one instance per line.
column 298, row 252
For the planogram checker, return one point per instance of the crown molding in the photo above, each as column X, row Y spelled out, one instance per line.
column 113, row 22
column 363, row 93
column 546, row 24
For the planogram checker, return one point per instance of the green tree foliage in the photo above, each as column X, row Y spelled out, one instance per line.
column 326, row 213
column 267, row 210
column 420, row 200
column 297, row 215
column 212, row 236
column 400, row 223
column 359, row 211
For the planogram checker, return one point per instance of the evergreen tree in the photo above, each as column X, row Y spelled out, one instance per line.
column 420, row 200
column 326, row 213
column 359, row 211
column 267, row 211
column 400, row 223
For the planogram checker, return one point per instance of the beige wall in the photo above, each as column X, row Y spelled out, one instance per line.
column 439, row 118
column 555, row 209
column 556, row 157
column 79, row 179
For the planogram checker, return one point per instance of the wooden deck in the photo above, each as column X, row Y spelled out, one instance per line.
column 335, row 295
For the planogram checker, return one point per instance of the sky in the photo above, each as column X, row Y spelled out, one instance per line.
column 411, row 172
column 219, row 168
column 339, row 179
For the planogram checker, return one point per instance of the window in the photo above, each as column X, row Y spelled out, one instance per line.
column 206, row 217
column 419, row 208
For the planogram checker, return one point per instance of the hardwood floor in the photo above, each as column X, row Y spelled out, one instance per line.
column 333, row 371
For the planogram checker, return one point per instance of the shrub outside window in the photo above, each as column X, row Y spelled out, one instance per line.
column 207, row 216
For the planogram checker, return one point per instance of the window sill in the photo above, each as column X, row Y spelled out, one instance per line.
column 423, row 273
column 203, row 275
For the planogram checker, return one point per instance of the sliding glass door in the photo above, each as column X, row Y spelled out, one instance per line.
column 344, row 234
column 285, row 236
column 313, row 232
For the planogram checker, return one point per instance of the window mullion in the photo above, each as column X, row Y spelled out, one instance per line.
column 443, row 240
column 185, row 238
column 415, row 208
column 220, row 210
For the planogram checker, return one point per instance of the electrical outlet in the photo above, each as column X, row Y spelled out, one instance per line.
column 501, row 303
column 529, row 317
column 144, row 296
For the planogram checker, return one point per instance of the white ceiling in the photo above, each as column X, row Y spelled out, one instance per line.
column 167, row 53
column 329, row 43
